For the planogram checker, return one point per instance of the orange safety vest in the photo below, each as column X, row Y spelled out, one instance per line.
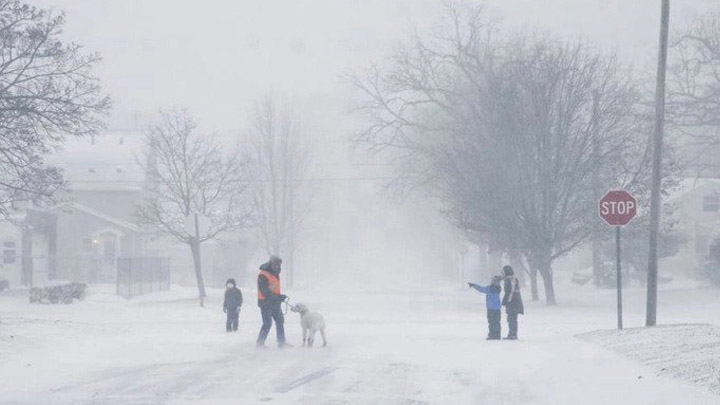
column 273, row 284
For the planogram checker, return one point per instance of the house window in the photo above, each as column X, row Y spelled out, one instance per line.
column 9, row 252
column 711, row 203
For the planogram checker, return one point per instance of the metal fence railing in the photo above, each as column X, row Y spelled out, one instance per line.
column 142, row 275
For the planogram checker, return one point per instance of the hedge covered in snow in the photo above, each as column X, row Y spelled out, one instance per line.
column 56, row 294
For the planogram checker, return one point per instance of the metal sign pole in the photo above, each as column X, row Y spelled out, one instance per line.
column 619, row 278
column 618, row 208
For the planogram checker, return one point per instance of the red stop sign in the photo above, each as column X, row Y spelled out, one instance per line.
column 618, row 207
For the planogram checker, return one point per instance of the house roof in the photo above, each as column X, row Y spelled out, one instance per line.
column 107, row 218
column 109, row 162
column 689, row 185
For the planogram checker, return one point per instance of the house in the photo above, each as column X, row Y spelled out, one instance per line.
column 94, row 223
column 91, row 241
column 82, row 237
column 697, row 210
column 28, row 247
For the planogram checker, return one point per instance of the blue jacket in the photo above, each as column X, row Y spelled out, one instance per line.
column 492, row 295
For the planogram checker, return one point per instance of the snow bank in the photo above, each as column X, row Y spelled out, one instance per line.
column 688, row 352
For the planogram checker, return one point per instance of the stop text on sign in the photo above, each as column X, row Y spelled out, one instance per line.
column 617, row 207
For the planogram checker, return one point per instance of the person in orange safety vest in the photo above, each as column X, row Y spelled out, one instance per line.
column 270, row 299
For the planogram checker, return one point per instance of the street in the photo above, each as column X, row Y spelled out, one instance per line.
column 392, row 347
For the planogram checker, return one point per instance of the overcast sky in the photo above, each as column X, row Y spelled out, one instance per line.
column 215, row 57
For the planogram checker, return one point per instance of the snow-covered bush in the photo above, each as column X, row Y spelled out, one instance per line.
column 65, row 293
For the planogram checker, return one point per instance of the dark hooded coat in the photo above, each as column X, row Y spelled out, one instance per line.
column 512, row 299
column 233, row 297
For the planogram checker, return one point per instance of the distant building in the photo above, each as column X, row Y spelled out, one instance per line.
column 82, row 238
column 697, row 208
column 28, row 246
column 97, row 223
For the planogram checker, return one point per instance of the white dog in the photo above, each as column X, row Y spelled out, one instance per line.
column 311, row 322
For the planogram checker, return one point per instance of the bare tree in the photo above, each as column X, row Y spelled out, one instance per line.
column 280, row 157
column 48, row 91
column 192, row 178
column 693, row 94
column 508, row 133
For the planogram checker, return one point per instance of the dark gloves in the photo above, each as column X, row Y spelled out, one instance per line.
column 470, row 284
column 283, row 297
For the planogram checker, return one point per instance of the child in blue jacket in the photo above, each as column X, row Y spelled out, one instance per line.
column 493, row 304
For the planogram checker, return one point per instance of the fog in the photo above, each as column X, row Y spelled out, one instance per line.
column 397, row 155
column 217, row 60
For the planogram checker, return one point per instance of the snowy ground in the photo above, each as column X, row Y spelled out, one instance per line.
column 393, row 347
column 689, row 352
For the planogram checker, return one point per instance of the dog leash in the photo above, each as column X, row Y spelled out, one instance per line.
column 287, row 304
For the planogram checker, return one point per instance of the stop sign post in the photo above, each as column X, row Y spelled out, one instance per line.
column 617, row 208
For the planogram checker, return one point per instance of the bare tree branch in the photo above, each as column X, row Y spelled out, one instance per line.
column 191, row 176
column 48, row 91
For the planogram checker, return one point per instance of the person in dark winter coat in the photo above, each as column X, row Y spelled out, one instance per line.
column 512, row 300
column 493, row 305
column 270, row 299
column 231, row 305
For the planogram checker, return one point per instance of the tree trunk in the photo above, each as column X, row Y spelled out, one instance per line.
column 483, row 271
column 547, row 276
column 495, row 262
column 534, row 284
column 26, row 261
column 540, row 260
column 195, row 249
column 461, row 270
column 517, row 264
column 596, row 260
column 52, row 249
column 290, row 277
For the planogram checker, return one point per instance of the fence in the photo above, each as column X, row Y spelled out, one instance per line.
column 142, row 275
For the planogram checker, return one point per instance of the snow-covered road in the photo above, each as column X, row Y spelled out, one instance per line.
column 385, row 348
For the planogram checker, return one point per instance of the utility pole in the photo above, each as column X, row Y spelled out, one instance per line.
column 652, row 276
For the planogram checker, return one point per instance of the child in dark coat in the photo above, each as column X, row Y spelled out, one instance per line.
column 231, row 305
column 512, row 301
column 493, row 304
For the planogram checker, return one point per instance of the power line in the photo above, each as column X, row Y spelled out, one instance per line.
column 327, row 179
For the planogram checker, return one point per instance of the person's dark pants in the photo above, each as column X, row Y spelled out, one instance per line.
column 493, row 317
column 270, row 312
column 512, row 319
column 233, row 316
